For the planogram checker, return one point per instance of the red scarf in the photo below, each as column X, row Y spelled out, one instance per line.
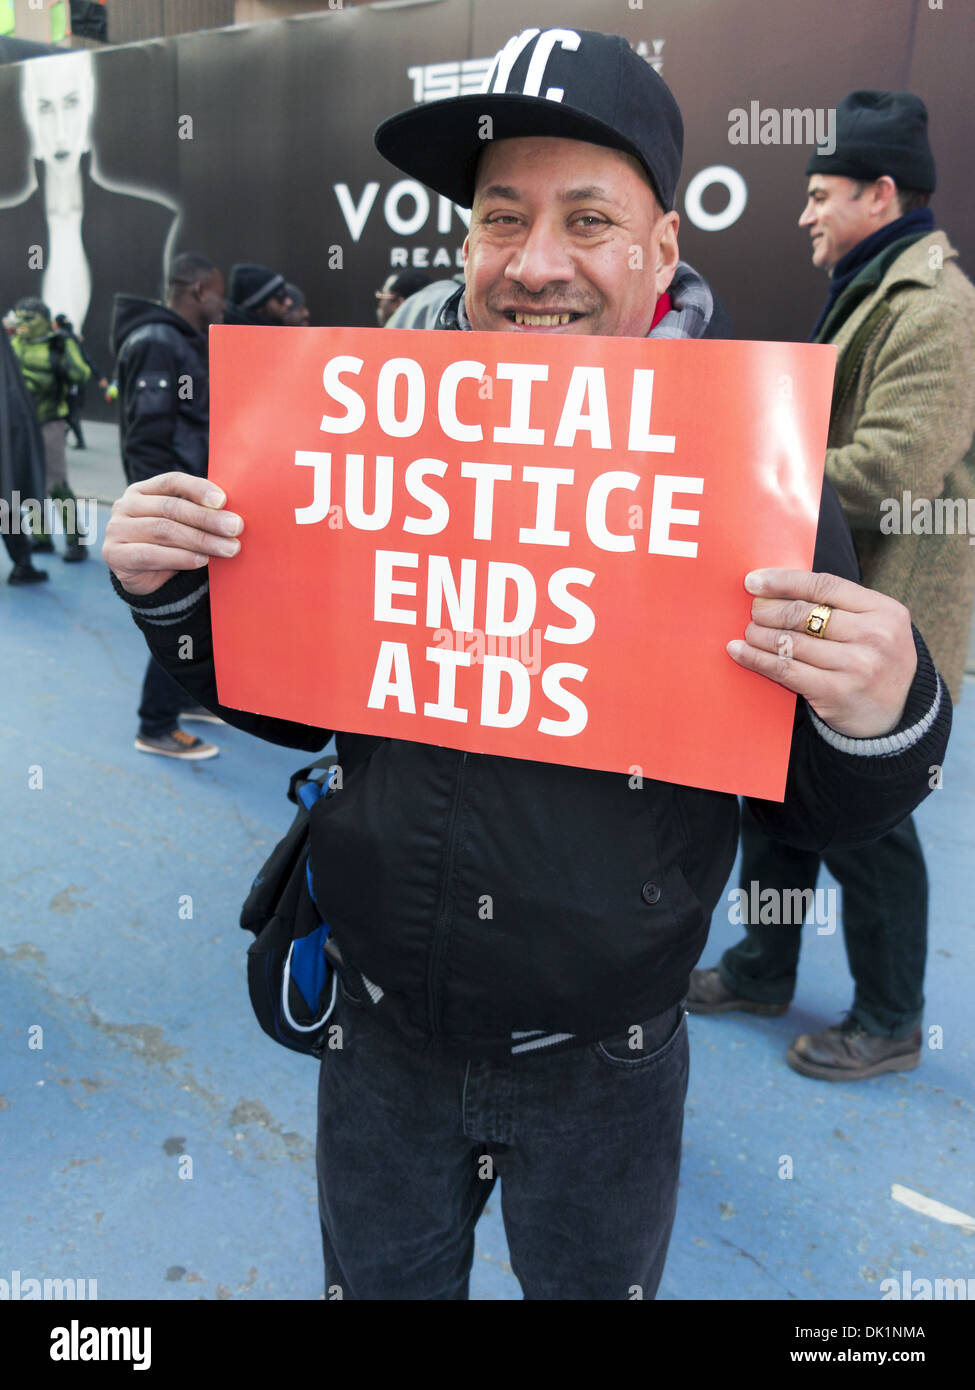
column 664, row 306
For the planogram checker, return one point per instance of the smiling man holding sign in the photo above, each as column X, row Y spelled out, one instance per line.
column 520, row 867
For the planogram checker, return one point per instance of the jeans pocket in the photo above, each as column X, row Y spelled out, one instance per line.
column 643, row 1044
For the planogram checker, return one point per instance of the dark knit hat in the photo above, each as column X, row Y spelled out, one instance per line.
column 409, row 282
column 571, row 83
column 250, row 285
column 880, row 133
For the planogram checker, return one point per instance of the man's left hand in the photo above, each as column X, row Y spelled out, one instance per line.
column 858, row 674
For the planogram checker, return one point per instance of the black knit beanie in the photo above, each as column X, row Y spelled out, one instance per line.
column 880, row 133
column 250, row 285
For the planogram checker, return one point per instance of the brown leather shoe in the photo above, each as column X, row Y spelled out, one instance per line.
column 709, row 995
column 847, row 1052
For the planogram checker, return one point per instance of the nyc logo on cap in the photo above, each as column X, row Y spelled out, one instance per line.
column 544, row 42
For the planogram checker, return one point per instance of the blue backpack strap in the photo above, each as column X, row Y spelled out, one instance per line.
column 305, row 775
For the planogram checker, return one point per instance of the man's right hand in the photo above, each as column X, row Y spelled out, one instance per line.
column 172, row 522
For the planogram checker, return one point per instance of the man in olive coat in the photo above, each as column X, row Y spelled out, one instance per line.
column 902, row 458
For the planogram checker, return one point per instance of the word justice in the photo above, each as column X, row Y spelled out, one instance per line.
column 480, row 515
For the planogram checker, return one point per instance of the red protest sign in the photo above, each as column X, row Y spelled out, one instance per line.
column 529, row 545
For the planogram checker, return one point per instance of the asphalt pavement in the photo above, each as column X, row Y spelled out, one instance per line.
column 152, row 1138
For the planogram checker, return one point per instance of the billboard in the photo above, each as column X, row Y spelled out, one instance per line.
column 255, row 144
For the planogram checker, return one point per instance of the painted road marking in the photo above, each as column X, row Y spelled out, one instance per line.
column 927, row 1206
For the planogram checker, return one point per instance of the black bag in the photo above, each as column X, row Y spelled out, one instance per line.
column 290, row 978
column 57, row 346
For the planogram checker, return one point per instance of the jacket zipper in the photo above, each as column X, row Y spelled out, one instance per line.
column 441, row 933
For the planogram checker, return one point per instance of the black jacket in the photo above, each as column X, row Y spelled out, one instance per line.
column 21, row 446
column 164, row 390
column 489, row 902
column 497, row 906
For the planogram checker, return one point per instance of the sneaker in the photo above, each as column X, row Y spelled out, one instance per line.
column 178, row 744
column 201, row 715
column 847, row 1052
column 26, row 574
column 73, row 552
column 709, row 995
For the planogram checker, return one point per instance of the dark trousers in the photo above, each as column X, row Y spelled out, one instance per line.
column 885, row 910
column 18, row 548
column 586, row 1144
column 62, row 494
column 163, row 700
column 76, row 399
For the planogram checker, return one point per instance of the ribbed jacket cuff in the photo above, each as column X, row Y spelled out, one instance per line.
column 928, row 705
column 171, row 603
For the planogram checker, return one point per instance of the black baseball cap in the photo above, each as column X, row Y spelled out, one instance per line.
column 575, row 84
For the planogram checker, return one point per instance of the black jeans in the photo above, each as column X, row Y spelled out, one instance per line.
column 885, row 911
column 163, row 700
column 18, row 548
column 76, row 399
column 586, row 1142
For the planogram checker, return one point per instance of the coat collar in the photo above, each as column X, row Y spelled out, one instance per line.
column 914, row 266
column 896, row 265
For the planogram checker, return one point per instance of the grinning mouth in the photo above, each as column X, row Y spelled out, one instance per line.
column 551, row 320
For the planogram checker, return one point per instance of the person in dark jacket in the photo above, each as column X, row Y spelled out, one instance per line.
column 76, row 391
column 51, row 362
column 21, row 465
column 546, row 1043
column 164, row 420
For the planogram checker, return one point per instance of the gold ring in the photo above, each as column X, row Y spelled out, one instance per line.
column 818, row 620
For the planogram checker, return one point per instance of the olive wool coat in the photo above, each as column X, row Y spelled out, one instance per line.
column 901, row 436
